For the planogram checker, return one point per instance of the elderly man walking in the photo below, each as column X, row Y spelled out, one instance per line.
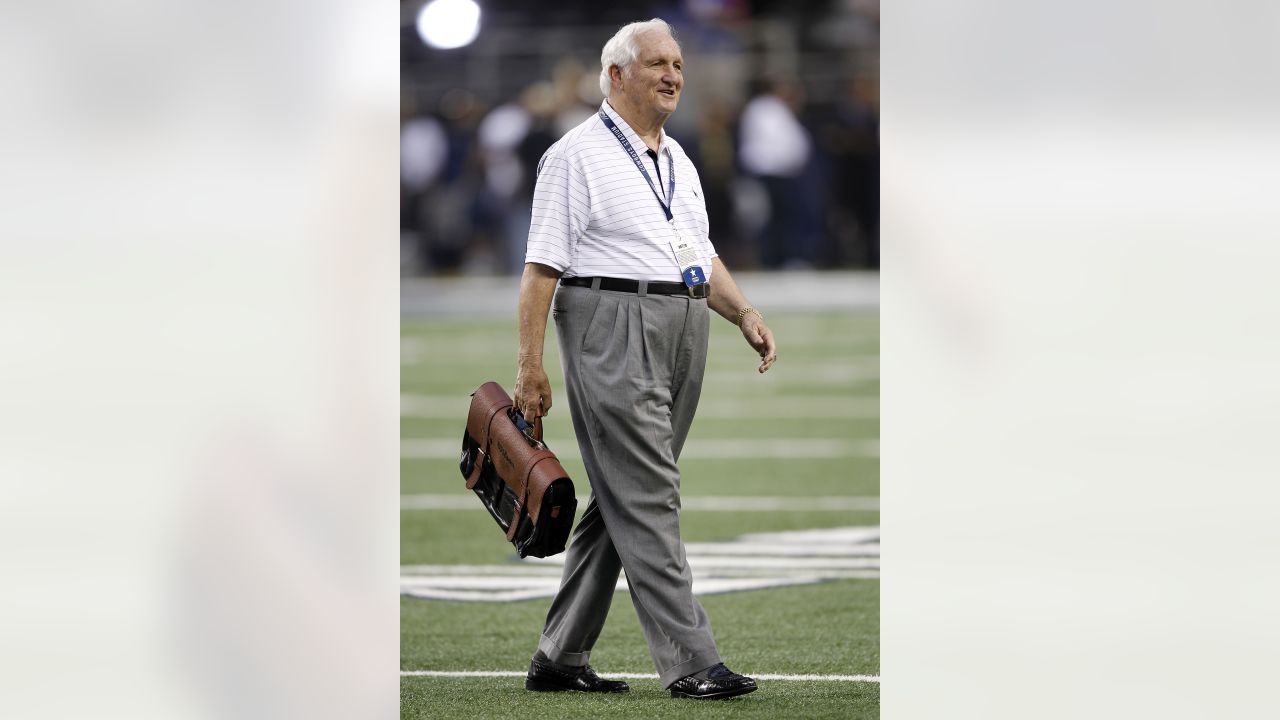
column 619, row 220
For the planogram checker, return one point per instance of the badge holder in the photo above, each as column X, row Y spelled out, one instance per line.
column 690, row 270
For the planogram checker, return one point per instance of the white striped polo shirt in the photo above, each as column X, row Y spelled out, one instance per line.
column 594, row 214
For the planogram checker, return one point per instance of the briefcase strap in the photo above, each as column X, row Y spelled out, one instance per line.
column 515, row 520
column 483, row 444
column 481, row 459
column 522, row 497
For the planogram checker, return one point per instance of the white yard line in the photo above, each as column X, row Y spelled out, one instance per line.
column 529, row 571
column 706, row 581
column 439, row 502
column 466, row 501
column 704, row 565
column 786, row 407
column 436, row 407
column 632, row 676
column 709, row 562
column 471, row 588
column 841, row 503
column 845, row 535
column 517, row 569
column 780, row 291
column 708, row 449
column 759, row 549
column 810, row 373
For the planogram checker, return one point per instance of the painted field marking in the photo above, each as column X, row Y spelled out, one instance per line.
column 804, row 348
column 466, row 501
column 633, row 676
column 777, row 550
column 783, row 563
column 751, row 562
column 519, row 569
column 702, row 449
column 477, row 349
column 412, row 350
column 786, row 407
column 463, row 588
column 826, row 374
column 844, row 535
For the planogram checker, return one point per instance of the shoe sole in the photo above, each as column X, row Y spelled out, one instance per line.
column 716, row 696
column 543, row 687
column 539, row 686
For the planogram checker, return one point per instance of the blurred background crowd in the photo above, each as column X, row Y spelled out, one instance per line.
column 780, row 114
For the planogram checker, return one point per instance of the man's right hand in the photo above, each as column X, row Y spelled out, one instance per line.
column 533, row 390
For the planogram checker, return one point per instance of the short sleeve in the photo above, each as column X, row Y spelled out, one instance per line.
column 561, row 209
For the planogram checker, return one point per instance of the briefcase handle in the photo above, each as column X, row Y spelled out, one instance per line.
column 531, row 431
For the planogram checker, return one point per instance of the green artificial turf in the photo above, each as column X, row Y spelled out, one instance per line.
column 828, row 628
column 478, row 698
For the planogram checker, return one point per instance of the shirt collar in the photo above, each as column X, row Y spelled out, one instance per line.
column 637, row 143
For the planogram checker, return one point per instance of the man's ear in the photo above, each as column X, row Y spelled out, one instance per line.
column 615, row 74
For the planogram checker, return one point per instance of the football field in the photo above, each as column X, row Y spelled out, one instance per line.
column 780, row 486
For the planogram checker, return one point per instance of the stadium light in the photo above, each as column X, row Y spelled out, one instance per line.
column 448, row 24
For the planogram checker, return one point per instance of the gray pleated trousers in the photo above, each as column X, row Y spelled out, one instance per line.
column 633, row 367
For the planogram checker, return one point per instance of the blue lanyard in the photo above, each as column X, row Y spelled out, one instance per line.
column 671, row 166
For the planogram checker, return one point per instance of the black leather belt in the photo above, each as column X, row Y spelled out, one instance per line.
column 633, row 286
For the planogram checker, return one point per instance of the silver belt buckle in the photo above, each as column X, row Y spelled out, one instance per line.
column 700, row 291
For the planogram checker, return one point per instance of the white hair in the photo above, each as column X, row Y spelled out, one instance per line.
column 621, row 49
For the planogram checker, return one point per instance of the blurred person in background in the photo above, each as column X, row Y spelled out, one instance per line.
column 499, row 201
column 713, row 151
column 503, row 203
column 567, row 79
column 443, row 216
column 776, row 149
column 620, row 222
column 849, row 138
column 511, row 141
column 423, row 150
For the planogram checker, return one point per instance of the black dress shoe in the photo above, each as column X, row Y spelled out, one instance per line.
column 546, row 676
column 715, row 683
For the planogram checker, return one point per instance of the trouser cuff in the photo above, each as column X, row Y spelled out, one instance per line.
column 563, row 657
column 688, row 667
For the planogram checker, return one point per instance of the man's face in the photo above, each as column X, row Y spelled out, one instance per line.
column 656, row 77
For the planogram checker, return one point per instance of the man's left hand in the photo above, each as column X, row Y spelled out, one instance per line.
column 760, row 337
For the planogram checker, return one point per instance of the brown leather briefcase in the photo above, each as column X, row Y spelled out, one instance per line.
column 517, row 478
